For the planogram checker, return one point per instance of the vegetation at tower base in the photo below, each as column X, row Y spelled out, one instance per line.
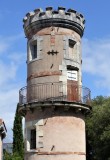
column 18, row 146
column 8, row 156
column 98, row 129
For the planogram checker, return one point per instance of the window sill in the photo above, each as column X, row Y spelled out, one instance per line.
column 72, row 60
column 36, row 59
column 32, row 151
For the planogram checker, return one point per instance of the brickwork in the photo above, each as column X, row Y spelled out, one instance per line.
column 43, row 74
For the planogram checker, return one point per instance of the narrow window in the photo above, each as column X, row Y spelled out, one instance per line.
column 34, row 49
column 33, row 139
column 71, row 48
column 71, row 43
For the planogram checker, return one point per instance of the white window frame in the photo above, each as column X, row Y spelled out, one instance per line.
column 28, row 138
column 38, row 41
column 66, row 48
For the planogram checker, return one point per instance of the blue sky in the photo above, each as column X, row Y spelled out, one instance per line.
column 96, row 49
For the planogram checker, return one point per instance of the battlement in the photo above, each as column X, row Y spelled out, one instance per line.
column 38, row 19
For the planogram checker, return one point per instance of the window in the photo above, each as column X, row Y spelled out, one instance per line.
column 34, row 49
column 71, row 43
column 71, row 48
column 33, row 139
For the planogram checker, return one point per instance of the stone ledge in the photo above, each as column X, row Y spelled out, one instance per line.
column 78, row 107
column 68, row 19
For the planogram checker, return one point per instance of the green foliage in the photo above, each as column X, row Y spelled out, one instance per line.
column 98, row 129
column 8, row 156
column 18, row 148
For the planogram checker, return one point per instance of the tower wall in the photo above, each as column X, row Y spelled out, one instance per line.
column 54, row 59
column 60, row 134
column 54, row 102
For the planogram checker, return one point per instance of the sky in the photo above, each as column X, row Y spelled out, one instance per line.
column 95, row 49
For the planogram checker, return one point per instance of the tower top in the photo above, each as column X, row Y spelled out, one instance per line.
column 39, row 19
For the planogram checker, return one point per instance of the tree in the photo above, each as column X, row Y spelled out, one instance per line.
column 98, row 129
column 18, row 148
column 8, row 156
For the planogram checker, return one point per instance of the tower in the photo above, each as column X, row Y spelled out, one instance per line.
column 54, row 102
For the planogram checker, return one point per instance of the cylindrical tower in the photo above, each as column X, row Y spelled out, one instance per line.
column 54, row 102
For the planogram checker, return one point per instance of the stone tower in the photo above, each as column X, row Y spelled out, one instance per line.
column 54, row 102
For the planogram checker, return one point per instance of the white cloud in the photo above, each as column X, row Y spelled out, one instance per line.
column 8, row 102
column 7, row 72
column 7, row 42
column 3, row 47
column 11, row 61
column 17, row 57
column 15, row 37
column 96, row 60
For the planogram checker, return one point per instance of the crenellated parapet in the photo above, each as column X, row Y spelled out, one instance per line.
column 39, row 19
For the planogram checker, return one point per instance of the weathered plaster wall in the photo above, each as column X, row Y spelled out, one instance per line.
column 58, row 132
column 48, row 64
column 53, row 68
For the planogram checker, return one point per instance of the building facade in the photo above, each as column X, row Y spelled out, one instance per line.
column 54, row 102
column 2, row 136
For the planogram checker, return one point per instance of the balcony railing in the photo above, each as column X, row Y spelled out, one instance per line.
column 54, row 92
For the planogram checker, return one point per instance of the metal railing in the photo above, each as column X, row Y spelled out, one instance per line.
column 54, row 92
